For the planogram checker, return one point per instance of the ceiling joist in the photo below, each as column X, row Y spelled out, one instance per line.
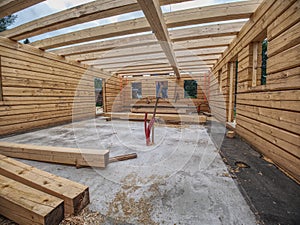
column 154, row 15
column 221, row 12
column 9, row 7
column 80, row 14
column 123, row 44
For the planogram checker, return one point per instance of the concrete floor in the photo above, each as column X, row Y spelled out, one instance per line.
column 179, row 180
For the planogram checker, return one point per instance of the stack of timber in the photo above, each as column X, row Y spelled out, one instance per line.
column 68, row 156
column 166, row 118
column 40, row 89
column 267, row 115
column 31, row 196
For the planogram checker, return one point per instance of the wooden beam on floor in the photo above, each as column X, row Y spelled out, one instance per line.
column 76, row 15
column 154, row 15
column 8, row 7
column 68, row 156
column 25, row 205
column 166, row 117
column 206, row 14
column 75, row 195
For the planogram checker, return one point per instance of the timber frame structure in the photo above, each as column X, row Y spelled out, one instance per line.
column 51, row 81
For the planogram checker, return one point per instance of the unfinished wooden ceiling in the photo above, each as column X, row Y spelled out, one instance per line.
column 185, row 41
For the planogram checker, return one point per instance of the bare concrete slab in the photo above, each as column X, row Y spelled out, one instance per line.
column 181, row 179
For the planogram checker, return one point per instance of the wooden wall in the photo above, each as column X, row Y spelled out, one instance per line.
column 40, row 89
column 175, row 87
column 113, row 95
column 268, row 116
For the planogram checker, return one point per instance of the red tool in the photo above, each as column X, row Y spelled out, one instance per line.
column 150, row 124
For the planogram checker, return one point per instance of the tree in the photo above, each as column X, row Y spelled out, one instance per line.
column 190, row 89
column 26, row 41
column 7, row 21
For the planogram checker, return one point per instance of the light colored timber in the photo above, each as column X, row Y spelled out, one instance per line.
column 154, row 15
column 180, row 18
column 140, row 40
column 75, row 195
column 25, row 205
column 8, row 7
column 79, row 14
column 144, row 50
column 70, row 156
column 165, row 117
column 151, row 57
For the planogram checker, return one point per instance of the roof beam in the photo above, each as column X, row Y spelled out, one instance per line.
column 80, row 14
column 184, row 17
column 154, row 15
column 142, row 50
column 208, row 32
column 149, row 57
column 8, row 7
column 136, row 41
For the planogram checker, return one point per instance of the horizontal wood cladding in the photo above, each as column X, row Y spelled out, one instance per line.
column 42, row 89
column 175, row 88
column 267, row 116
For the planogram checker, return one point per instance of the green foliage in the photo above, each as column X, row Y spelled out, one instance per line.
column 190, row 89
column 98, row 83
column 7, row 21
column 26, row 41
column 264, row 62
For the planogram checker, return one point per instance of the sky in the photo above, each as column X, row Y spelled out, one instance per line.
column 52, row 6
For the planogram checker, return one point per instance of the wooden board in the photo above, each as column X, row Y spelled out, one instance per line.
column 75, row 195
column 69, row 156
column 167, row 118
column 26, row 205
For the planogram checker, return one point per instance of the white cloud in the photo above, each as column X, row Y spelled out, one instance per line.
column 61, row 5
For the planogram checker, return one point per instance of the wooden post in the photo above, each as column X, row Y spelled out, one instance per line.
column 231, row 71
column 1, row 93
column 254, row 64
column 104, row 95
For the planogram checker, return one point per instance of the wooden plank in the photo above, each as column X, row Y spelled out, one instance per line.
column 286, row 140
column 265, row 14
column 254, row 63
column 9, row 7
column 284, row 160
column 159, row 110
column 154, row 15
column 167, row 118
column 230, row 109
column 76, row 15
column 74, row 195
column 286, row 40
column 285, row 120
column 1, row 91
column 25, row 205
column 284, row 21
column 70, row 156
column 139, row 41
column 180, row 18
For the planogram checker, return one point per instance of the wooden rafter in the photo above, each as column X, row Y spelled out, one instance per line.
column 150, row 57
column 142, row 50
column 154, row 15
column 184, row 17
column 208, row 32
column 123, row 44
column 80, row 14
column 8, row 7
